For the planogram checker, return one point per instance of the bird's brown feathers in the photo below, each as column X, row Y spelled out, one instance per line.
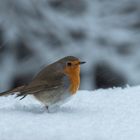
column 50, row 78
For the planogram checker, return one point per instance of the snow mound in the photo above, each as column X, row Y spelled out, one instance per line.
column 112, row 114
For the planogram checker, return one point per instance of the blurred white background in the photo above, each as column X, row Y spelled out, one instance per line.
column 104, row 33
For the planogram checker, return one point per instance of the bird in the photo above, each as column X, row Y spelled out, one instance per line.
column 53, row 85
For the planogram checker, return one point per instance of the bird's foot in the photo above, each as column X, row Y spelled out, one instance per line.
column 52, row 109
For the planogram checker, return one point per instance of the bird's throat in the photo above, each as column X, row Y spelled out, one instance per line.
column 74, row 76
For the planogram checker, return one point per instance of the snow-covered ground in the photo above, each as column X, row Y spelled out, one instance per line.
column 112, row 114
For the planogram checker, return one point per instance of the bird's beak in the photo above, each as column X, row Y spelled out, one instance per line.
column 82, row 62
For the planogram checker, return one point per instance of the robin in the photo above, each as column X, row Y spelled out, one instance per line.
column 54, row 84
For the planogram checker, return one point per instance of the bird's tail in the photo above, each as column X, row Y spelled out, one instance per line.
column 12, row 92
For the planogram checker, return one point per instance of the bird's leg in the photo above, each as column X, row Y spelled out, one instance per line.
column 51, row 109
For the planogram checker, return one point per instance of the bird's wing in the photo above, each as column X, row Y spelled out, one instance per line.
column 36, row 86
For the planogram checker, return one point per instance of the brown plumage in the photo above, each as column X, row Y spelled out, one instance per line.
column 55, row 83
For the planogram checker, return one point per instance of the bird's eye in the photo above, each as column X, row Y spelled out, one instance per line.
column 69, row 64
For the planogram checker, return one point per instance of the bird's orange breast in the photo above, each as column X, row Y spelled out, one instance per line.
column 74, row 75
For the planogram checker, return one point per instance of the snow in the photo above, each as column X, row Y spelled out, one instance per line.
column 111, row 114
